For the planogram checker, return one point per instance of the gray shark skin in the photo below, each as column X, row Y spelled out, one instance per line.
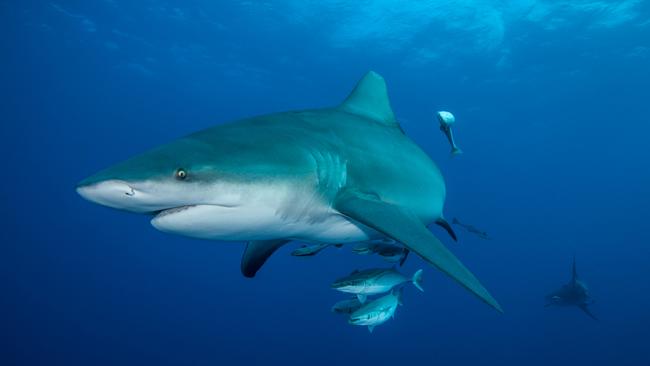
column 375, row 281
column 574, row 293
column 378, row 311
column 332, row 175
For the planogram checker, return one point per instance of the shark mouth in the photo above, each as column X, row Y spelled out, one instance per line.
column 171, row 211
column 174, row 210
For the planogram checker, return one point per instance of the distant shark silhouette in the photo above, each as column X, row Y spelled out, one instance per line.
column 574, row 293
column 332, row 175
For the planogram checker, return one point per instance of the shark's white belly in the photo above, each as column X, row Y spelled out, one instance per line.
column 281, row 215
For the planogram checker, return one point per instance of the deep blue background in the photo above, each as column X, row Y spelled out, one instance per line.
column 553, row 108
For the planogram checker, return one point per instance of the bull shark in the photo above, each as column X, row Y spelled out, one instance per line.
column 574, row 293
column 342, row 174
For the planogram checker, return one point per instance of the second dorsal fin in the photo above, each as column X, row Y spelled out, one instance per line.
column 370, row 100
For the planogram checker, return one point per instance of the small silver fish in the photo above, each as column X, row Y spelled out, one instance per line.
column 377, row 311
column 309, row 250
column 387, row 250
column 447, row 119
column 374, row 281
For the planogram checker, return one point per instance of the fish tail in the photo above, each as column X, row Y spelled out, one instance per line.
column 417, row 280
column 399, row 294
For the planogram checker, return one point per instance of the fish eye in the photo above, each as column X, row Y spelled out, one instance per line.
column 181, row 174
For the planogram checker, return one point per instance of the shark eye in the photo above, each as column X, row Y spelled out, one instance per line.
column 181, row 174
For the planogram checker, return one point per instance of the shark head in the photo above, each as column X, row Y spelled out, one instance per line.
column 168, row 177
column 182, row 185
column 553, row 299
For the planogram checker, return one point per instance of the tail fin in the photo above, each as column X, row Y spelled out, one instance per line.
column 450, row 136
column 417, row 280
column 398, row 294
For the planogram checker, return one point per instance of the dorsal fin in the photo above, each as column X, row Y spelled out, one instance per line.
column 370, row 99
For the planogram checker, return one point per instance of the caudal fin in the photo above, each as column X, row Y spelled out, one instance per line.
column 399, row 294
column 417, row 280
column 456, row 151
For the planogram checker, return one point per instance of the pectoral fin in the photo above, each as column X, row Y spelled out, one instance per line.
column 256, row 254
column 586, row 310
column 407, row 228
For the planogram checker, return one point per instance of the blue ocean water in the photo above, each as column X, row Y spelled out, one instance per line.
column 552, row 106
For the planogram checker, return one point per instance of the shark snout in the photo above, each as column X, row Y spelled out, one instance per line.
column 112, row 193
